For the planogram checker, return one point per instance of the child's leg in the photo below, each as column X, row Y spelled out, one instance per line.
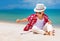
column 37, row 30
column 49, row 28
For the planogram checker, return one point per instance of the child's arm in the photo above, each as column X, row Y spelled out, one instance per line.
column 23, row 20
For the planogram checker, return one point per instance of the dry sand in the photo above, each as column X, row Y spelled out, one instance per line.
column 12, row 32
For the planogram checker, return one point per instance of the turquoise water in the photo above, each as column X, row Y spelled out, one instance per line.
column 12, row 15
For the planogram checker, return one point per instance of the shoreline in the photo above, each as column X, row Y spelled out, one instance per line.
column 25, row 23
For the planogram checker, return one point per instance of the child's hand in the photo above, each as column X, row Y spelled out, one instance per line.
column 18, row 21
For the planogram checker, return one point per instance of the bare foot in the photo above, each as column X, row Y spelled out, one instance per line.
column 35, row 33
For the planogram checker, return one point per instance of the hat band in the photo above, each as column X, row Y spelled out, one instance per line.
column 39, row 9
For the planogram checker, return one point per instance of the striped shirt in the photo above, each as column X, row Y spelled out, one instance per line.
column 32, row 20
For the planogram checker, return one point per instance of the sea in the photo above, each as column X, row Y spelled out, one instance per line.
column 13, row 14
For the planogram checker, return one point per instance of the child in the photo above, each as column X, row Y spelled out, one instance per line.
column 38, row 22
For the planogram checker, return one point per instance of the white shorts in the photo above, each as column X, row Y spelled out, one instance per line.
column 48, row 27
column 36, row 29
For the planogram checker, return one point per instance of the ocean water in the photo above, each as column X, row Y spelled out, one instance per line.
column 12, row 15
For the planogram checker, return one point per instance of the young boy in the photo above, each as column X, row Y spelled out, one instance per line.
column 38, row 22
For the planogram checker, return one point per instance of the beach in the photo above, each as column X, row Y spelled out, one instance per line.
column 13, row 32
column 11, row 11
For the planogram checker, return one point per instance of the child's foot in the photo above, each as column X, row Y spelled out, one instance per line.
column 46, row 33
column 35, row 33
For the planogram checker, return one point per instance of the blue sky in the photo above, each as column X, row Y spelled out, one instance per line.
column 28, row 4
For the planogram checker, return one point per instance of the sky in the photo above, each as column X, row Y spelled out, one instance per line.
column 28, row 4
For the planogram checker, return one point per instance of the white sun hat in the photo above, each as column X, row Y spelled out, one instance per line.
column 39, row 8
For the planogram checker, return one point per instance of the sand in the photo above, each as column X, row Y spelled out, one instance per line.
column 13, row 32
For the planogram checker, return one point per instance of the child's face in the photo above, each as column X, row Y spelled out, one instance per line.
column 39, row 13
